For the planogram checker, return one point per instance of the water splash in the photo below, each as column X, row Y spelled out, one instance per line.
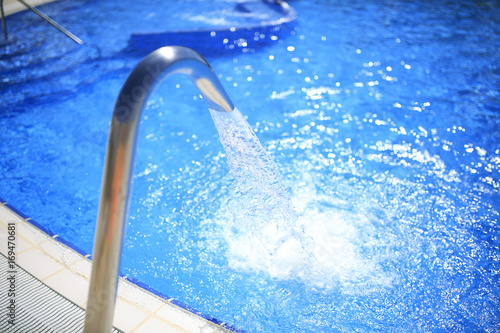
column 259, row 221
column 265, row 233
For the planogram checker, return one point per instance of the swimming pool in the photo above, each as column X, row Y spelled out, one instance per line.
column 383, row 120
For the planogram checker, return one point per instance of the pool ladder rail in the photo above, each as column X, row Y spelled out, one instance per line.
column 43, row 16
column 119, row 163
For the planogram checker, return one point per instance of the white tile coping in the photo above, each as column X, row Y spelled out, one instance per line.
column 68, row 272
column 14, row 6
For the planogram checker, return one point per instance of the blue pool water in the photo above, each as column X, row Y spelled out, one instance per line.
column 383, row 119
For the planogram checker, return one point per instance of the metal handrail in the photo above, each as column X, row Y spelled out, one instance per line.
column 4, row 26
column 43, row 16
column 118, row 169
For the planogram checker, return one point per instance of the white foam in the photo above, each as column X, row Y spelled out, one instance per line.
column 265, row 234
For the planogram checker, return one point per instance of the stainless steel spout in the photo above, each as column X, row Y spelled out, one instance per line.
column 118, row 169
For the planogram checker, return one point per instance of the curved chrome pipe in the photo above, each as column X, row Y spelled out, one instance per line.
column 118, row 169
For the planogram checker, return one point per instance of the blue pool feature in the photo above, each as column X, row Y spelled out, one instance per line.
column 238, row 26
column 382, row 119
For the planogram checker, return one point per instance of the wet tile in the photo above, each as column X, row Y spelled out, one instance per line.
column 82, row 267
column 19, row 244
column 70, row 285
column 59, row 252
column 139, row 297
column 38, row 264
column 6, row 215
column 181, row 318
column 31, row 234
column 127, row 316
column 156, row 325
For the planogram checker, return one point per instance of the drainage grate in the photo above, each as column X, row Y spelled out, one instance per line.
column 37, row 307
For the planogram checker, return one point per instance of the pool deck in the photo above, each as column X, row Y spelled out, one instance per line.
column 68, row 272
column 14, row 6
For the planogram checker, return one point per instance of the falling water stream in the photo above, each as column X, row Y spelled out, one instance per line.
column 264, row 231
column 259, row 220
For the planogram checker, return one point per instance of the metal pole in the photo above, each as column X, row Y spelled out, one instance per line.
column 52, row 22
column 4, row 25
column 118, row 168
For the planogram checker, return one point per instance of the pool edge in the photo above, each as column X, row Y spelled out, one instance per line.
column 56, row 261
column 13, row 6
